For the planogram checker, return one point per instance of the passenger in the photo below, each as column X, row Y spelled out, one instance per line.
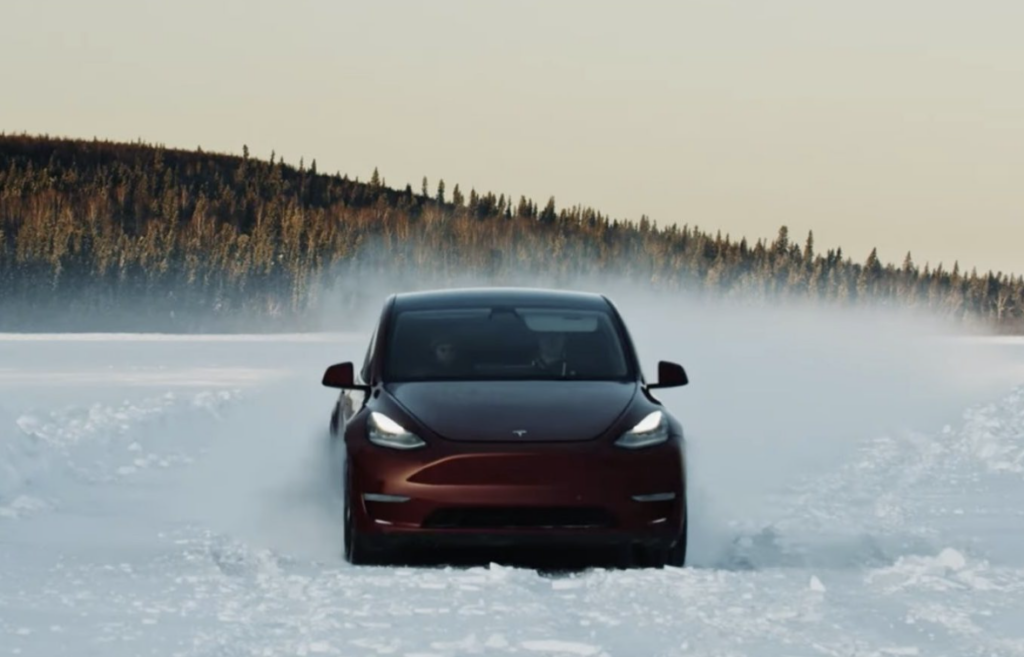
column 447, row 360
column 551, row 357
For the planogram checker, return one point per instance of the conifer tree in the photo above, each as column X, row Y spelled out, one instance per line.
column 549, row 215
column 781, row 244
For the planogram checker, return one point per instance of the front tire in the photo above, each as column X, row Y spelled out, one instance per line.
column 356, row 552
column 650, row 556
column 677, row 553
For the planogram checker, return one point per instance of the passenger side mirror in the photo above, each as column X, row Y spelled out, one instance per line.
column 341, row 375
column 670, row 375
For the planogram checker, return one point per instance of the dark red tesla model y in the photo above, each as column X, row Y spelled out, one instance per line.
column 506, row 417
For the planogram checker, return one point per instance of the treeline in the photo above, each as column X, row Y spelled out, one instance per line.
column 101, row 235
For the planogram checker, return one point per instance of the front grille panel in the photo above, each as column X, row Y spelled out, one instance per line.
column 519, row 517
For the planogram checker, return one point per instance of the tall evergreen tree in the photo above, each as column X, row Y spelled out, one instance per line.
column 549, row 215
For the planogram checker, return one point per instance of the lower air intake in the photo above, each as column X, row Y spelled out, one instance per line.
column 519, row 517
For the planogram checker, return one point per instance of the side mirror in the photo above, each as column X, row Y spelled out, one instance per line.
column 670, row 375
column 341, row 375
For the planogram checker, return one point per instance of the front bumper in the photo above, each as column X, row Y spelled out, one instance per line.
column 519, row 494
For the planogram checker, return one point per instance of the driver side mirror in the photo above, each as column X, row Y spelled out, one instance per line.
column 342, row 376
column 670, row 375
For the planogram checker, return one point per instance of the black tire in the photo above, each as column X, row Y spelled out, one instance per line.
column 356, row 551
column 650, row 556
column 677, row 553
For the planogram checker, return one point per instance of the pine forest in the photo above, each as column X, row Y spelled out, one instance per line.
column 98, row 235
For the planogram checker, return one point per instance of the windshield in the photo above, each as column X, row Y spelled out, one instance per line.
column 505, row 343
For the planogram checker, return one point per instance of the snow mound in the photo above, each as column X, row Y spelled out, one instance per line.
column 23, row 506
column 96, row 443
column 903, row 495
column 994, row 434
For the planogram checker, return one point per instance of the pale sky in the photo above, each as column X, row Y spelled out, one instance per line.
column 889, row 123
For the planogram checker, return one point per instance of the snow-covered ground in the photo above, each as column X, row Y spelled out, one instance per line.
column 852, row 495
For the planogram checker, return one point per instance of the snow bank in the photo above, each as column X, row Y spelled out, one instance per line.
column 994, row 434
column 43, row 452
column 899, row 495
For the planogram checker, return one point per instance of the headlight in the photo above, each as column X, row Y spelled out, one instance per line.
column 383, row 431
column 651, row 430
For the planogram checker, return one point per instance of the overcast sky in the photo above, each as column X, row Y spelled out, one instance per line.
column 889, row 123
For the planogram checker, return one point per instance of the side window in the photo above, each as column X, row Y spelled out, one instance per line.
column 364, row 374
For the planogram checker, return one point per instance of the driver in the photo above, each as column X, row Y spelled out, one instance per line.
column 551, row 354
column 444, row 351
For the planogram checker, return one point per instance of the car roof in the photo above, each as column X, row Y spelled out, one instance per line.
column 489, row 296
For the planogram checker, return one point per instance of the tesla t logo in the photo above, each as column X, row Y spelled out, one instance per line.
column 520, row 432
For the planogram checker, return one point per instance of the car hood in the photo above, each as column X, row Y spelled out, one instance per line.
column 493, row 411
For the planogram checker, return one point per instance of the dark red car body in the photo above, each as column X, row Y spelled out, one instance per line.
column 509, row 462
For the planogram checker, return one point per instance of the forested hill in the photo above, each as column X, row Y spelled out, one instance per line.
column 99, row 236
